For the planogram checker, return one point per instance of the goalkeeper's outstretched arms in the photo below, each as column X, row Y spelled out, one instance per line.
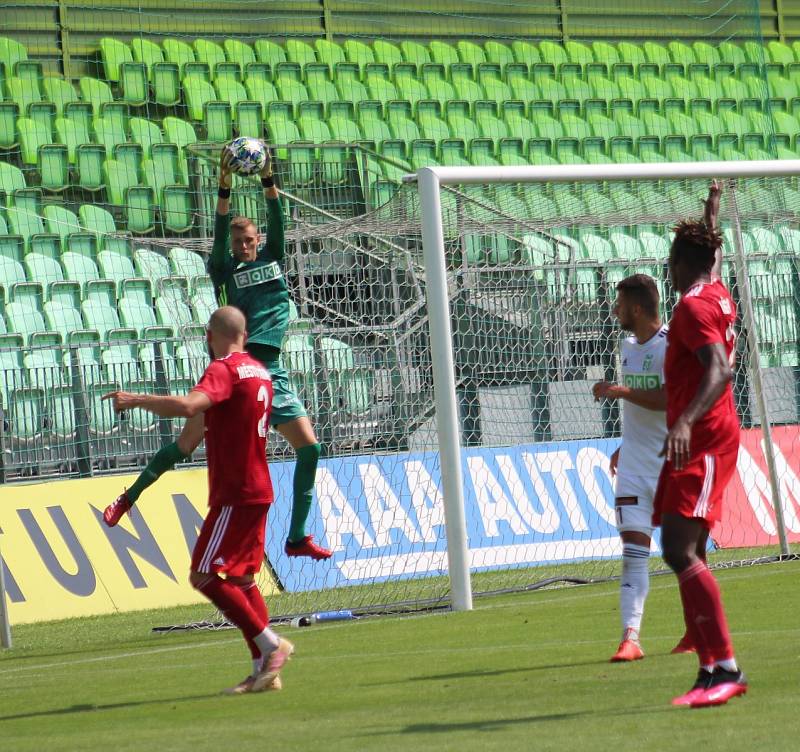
column 220, row 258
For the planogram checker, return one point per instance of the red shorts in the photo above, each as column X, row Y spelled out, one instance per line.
column 231, row 540
column 695, row 490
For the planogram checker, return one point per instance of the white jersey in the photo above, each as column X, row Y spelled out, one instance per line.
column 643, row 430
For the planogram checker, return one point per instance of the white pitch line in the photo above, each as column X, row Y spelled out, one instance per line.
column 104, row 658
column 526, row 646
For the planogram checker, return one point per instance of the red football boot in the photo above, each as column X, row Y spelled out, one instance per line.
column 684, row 646
column 307, row 547
column 698, row 688
column 115, row 512
column 724, row 686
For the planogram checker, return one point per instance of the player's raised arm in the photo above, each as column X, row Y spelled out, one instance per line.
column 711, row 219
column 274, row 247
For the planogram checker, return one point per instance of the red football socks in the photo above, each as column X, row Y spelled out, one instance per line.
column 259, row 606
column 704, row 614
column 234, row 604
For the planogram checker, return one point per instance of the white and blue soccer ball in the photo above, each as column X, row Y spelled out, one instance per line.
column 248, row 155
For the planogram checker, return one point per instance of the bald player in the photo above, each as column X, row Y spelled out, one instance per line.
column 234, row 399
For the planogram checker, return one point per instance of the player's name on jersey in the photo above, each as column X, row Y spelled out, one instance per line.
column 257, row 275
column 253, row 372
column 642, row 380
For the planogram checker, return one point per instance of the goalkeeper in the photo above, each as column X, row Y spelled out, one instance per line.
column 249, row 275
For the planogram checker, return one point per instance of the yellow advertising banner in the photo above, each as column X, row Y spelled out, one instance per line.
column 61, row 560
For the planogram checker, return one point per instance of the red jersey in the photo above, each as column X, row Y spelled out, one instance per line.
column 705, row 315
column 236, row 426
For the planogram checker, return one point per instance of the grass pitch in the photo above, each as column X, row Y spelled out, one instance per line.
column 521, row 672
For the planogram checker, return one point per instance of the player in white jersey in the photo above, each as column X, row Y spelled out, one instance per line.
column 637, row 462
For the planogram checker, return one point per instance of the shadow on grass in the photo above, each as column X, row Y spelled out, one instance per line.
column 90, row 708
column 480, row 674
column 498, row 724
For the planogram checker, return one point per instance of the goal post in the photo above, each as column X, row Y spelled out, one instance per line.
column 431, row 181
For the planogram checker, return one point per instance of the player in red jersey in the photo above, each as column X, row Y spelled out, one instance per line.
column 234, row 395
column 701, row 449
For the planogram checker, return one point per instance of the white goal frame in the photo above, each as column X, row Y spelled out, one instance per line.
column 429, row 182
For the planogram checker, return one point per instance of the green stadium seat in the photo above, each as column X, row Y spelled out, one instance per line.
column 138, row 315
column 116, row 267
column 470, row 52
column 178, row 52
column 239, row 52
column 384, row 51
column 73, row 134
column 632, row 54
column 230, row 90
column 11, row 180
column 134, row 85
column 101, row 317
column 292, row 93
column 197, row 92
column 553, row 53
column 136, row 289
column 147, row 52
column 499, row 53
column 441, row 91
column 181, row 133
column 414, row 52
column 151, row 265
column 80, row 267
column 329, row 52
column 434, row 128
column 582, row 55
column 186, row 263
column 62, row 222
column 11, row 246
column 113, row 53
column 62, row 318
column 780, row 53
column 269, row 52
column 482, row 151
column 166, row 80
column 25, row 320
column 23, row 92
column 496, row 90
column 322, row 90
column 525, row 53
column 11, row 275
column 443, row 53
column 344, row 129
column 59, row 92
column 8, row 125
column 548, row 127
column 605, row 52
column 298, row 51
column 212, row 54
column 11, row 53
column 96, row 92
column 350, row 384
column 172, row 313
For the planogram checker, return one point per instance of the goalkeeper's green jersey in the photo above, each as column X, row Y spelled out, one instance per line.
column 258, row 288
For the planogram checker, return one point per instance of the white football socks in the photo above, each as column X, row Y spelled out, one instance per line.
column 634, row 585
column 266, row 641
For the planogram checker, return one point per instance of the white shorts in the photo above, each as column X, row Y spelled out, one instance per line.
column 633, row 503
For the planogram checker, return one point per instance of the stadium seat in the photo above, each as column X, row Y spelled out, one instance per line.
column 100, row 316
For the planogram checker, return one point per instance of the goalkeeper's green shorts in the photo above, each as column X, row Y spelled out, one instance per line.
column 286, row 405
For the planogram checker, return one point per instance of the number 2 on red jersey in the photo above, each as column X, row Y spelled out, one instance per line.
column 263, row 396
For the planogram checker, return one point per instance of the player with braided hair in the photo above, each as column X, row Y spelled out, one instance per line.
column 701, row 448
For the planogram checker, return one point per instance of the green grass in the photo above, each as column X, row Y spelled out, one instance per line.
column 521, row 672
